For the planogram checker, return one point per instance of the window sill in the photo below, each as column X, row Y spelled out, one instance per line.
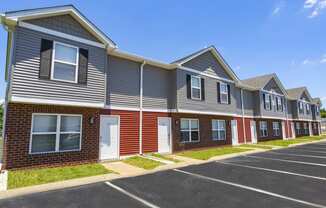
column 54, row 152
column 190, row 142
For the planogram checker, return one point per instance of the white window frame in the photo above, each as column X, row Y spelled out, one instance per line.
column 276, row 128
column 64, row 62
column 218, row 129
column 263, row 129
column 189, row 129
column 191, row 86
column 301, row 108
column 308, row 108
column 57, row 133
column 222, row 84
column 267, row 100
column 279, row 104
column 306, row 128
column 317, row 110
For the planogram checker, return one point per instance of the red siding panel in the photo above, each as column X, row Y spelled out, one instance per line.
column 150, row 142
column 240, row 129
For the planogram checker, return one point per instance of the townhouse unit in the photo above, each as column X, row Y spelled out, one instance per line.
column 74, row 97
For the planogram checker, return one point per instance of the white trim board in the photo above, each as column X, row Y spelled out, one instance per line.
column 55, row 102
column 60, row 34
column 204, row 74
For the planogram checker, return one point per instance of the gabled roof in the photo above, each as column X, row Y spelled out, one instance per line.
column 316, row 101
column 12, row 17
column 259, row 82
column 295, row 93
column 217, row 55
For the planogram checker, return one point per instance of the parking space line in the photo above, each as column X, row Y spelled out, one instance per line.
column 272, row 170
column 289, row 161
column 310, row 148
column 143, row 201
column 298, row 155
column 312, row 151
column 251, row 189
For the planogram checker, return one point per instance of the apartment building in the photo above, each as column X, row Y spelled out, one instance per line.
column 74, row 97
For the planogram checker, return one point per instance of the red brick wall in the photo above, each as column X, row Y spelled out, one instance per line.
column 270, row 129
column 205, row 126
column 17, row 138
column 129, row 130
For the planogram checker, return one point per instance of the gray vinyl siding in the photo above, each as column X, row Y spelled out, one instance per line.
column 290, row 109
column 273, row 112
column 210, row 103
column 65, row 24
column 123, row 82
column 272, row 85
column 158, row 92
column 207, row 63
column 26, row 82
column 314, row 113
column 249, row 103
column 304, row 115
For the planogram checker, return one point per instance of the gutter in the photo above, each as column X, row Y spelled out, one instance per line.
column 141, row 108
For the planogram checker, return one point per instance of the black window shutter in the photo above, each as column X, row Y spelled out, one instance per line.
column 276, row 100
column 218, row 93
column 45, row 59
column 188, row 86
column 202, row 89
column 264, row 99
column 270, row 102
column 229, row 94
column 82, row 66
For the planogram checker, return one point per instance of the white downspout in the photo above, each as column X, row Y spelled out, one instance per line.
column 141, row 108
column 243, row 119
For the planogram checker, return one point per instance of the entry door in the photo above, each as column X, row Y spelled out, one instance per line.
column 283, row 130
column 164, row 134
column 253, row 132
column 234, row 129
column 310, row 129
column 109, row 137
column 293, row 129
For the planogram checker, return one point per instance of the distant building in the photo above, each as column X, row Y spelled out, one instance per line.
column 323, row 125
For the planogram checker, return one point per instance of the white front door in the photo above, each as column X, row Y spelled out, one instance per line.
column 310, row 129
column 292, row 129
column 109, row 137
column 234, row 130
column 283, row 130
column 253, row 132
column 164, row 134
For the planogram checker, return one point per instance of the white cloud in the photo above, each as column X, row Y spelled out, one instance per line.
column 316, row 6
column 323, row 59
column 309, row 3
column 2, row 101
column 237, row 67
column 306, row 61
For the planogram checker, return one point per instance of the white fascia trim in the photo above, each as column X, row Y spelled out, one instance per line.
column 45, row 12
column 271, row 92
column 55, row 102
column 207, row 112
column 60, row 34
column 205, row 74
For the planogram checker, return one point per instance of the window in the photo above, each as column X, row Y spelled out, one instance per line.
column 305, row 128
column 317, row 110
column 195, row 88
column 189, row 130
column 267, row 102
column 308, row 108
column 224, row 93
column 55, row 133
column 301, row 107
column 298, row 128
column 279, row 104
column 274, row 103
column 263, row 128
column 218, row 130
column 276, row 129
column 65, row 63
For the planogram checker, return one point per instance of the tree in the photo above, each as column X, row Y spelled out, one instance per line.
column 323, row 113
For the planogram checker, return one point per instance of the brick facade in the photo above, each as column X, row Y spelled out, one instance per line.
column 205, row 128
column 17, row 137
column 270, row 135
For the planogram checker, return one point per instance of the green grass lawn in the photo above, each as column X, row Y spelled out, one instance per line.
column 165, row 157
column 257, row 146
column 286, row 143
column 208, row 153
column 141, row 162
column 21, row 178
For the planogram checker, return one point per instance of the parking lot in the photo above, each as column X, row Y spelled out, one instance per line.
column 293, row 177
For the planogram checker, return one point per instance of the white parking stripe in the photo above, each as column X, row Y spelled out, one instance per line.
column 298, row 155
column 312, row 151
column 289, row 161
column 132, row 195
column 272, row 170
column 251, row 189
column 307, row 147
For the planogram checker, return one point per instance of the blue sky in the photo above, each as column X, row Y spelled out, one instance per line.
column 255, row 37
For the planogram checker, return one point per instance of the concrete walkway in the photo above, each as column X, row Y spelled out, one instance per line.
column 123, row 169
